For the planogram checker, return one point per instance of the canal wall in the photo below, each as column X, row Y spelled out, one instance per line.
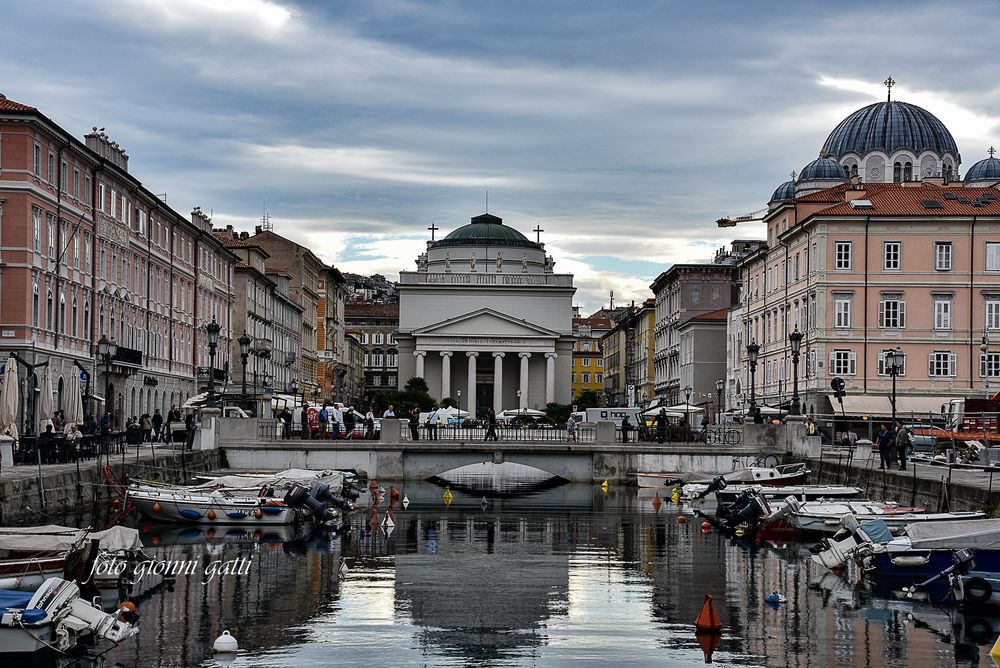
column 67, row 491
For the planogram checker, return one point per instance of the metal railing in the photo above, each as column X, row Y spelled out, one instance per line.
column 273, row 429
column 533, row 434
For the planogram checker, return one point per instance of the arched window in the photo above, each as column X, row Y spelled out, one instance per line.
column 854, row 170
column 86, row 318
column 73, row 325
column 34, row 303
column 946, row 173
column 49, row 311
column 62, row 312
column 908, row 171
column 897, row 172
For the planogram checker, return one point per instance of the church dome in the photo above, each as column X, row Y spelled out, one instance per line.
column 823, row 168
column 486, row 230
column 784, row 192
column 890, row 126
column 987, row 169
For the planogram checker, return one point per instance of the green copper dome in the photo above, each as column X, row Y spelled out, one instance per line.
column 486, row 230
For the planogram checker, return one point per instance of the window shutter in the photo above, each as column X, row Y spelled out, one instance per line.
column 952, row 363
column 852, row 363
column 930, row 364
column 881, row 313
column 902, row 314
column 982, row 365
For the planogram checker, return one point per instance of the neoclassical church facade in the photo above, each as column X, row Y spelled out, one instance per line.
column 485, row 319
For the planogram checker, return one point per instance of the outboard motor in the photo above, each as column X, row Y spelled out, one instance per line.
column 318, row 500
column 718, row 482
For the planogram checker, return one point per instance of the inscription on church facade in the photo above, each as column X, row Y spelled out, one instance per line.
column 480, row 341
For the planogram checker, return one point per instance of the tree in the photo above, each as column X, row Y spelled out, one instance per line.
column 557, row 413
column 417, row 384
column 449, row 401
column 587, row 399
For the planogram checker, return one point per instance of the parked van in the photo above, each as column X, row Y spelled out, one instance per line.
column 613, row 414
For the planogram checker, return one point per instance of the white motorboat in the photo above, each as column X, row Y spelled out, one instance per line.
column 826, row 516
column 220, row 506
column 55, row 617
column 783, row 474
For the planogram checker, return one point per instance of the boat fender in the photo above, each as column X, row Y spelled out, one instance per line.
column 156, row 507
column 210, row 515
column 258, row 514
column 909, row 562
column 190, row 514
column 225, row 644
column 978, row 589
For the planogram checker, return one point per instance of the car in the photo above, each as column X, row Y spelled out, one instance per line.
column 930, row 439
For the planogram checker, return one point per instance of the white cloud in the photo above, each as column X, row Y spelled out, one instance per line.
column 250, row 19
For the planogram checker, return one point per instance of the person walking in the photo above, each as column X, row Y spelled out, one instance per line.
column 661, row 426
column 157, row 422
column 571, row 429
column 491, row 426
column 286, row 420
column 902, row 443
column 626, row 428
column 191, row 425
column 414, row 421
column 146, row 422
column 886, row 447
column 370, row 424
column 350, row 420
column 304, row 423
column 432, row 426
column 324, row 420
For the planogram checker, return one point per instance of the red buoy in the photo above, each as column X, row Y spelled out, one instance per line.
column 681, row 519
column 210, row 515
column 706, row 526
column 656, row 502
column 708, row 619
column 709, row 642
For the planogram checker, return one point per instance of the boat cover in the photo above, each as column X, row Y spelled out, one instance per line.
column 11, row 598
column 877, row 530
column 50, row 537
column 975, row 534
column 244, row 481
column 118, row 539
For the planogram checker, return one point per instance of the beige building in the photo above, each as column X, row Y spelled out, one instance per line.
column 588, row 355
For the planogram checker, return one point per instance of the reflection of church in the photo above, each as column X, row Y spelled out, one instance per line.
column 485, row 315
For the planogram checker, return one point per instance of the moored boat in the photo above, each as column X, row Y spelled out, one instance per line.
column 826, row 516
column 220, row 506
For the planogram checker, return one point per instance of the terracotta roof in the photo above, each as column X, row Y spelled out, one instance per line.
column 834, row 194
column 240, row 265
column 367, row 310
column 893, row 199
column 11, row 105
column 719, row 315
column 595, row 323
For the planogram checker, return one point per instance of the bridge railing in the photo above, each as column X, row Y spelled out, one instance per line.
column 536, row 434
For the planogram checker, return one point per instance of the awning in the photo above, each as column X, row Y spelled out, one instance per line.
column 863, row 404
column 920, row 405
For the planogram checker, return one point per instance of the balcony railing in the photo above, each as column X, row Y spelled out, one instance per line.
column 128, row 356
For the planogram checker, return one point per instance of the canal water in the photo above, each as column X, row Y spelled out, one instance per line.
column 567, row 576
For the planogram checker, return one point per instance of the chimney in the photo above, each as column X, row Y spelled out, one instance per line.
column 99, row 142
column 257, row 230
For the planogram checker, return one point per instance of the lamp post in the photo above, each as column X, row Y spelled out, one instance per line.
column 107, row 350
column 894, row 362
column 687, row 411
column 459, row 409
column 795, row 339
column 984, row 347
column 212, row 329
column 719, row 385
column 752, row 351
column 244, row 342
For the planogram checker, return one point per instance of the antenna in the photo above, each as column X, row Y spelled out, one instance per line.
column 612, row 307
column 265, row 219
column 487, row 201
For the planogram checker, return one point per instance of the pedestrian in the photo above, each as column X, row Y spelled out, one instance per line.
column 157, row 422
column 414, row 421
column 661, row 425
column 810, row 426
column 431, row 423
column 491, row 426
column 350, row 420
column 286, row 420
column 571, row 429
column 626, row 427
column 324, row 420
column 886, row 447
column 902, row 443
column 304, row 423
column 336, row 419
column 146, row 422
column 191, row 426
column 57, row 422
column 370, row 424
column 389, row 413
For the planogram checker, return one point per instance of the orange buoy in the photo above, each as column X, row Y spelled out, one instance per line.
column 708, row 618
column 116, row 503
column 154, row 539
column 393, row 493
column 258, row 513
column 681, row 519
column 257, row 535
column 709, row 642
column 706, row 526
column 210, row 533
column 372, row 486
column 156, row 507
column 210, row 515
column 656, row 502
column 126, row 610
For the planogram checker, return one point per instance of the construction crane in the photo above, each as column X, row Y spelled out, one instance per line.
column 732, row 221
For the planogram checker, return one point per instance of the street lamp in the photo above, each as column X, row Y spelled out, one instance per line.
column 984, row 347
column 107, row 350
column 212, row 330
column 459, row 408
column 752, row 351
column 795, row 339
column 719, row 385
column 244, row 342
column 687, row 411
column 894, row 362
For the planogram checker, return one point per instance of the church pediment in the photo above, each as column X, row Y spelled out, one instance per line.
column 485, row 323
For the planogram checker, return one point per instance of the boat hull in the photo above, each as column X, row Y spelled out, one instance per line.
column 895, row 518
column 920, row 565
column 170, row 506
column 801, row 492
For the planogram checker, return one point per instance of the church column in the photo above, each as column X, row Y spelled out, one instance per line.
column 550, row 377
column 498, row 382
column 420, row 354
column 472, row 383
column 445, row 374
column 524, row 380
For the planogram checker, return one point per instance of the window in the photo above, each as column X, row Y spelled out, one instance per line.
column 572, row 378
column 585, row 361
column 883, row 368
column 989, row 365
column 49, row 311
column 86, row 318
column 74, row 315
column 842, row 313
column 992, row 314
column 993, row 256
column 600, row 362
column 842, row 254
column 52, row 167
column 364, row 337
column 366, row 360
column 941, row 363
column 942, row 256
column 114, row 204
column 892, row 255
column 796, row 266
column 34, row 303
column 942, row 313
column 86, row 250
column 100, row 197
column 36, row 224
column 843, row 362
column 377, row 338
column 376, row 380
column 892, row 313
column 63, row 176
column 76, row 251
column 86, row 188
column 586, row 378
column 599, row 378
column 51, row 229
column 76, row 183
column 38, row 160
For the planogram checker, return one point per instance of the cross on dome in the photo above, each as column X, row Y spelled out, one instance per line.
column 991, row 151
column 889, row 83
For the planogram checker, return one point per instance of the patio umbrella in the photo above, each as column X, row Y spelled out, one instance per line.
column 686, row 408
column 73, row 402
column 46, row 406
column 9, row 399
column 528, row 412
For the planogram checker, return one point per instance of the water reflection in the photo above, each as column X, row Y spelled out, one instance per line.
column 564, row 576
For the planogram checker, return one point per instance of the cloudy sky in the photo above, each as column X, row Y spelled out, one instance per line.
column 623, row 128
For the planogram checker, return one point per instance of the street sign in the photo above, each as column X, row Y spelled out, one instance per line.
column 84, row 376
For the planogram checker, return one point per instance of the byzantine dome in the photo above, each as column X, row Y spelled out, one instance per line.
column 986, row 170
column 486, row 230
column 783, row 192
column 823, row 168
column 889, row 127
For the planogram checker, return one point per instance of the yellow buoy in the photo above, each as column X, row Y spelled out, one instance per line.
column 676, row 496
column 604, row 486
column 995, row 652
column 448, row 496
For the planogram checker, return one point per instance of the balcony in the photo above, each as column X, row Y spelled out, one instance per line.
column 128, row 357
column 204, row 371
